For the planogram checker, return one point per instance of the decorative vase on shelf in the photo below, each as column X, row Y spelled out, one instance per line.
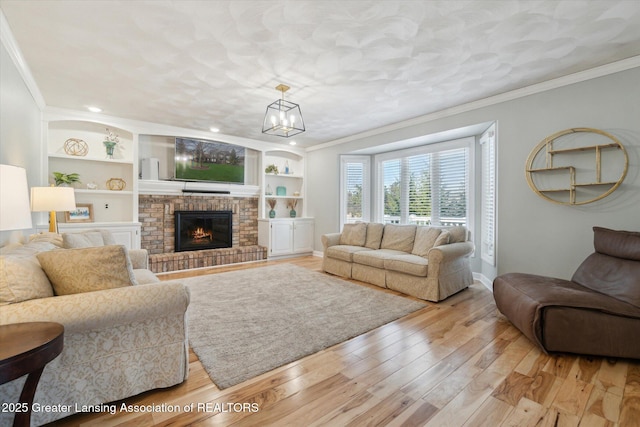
column 292, row 213
column 272, row 213
column 268, row 191
column 110, row 142
column 286, row 167
column 110, row 146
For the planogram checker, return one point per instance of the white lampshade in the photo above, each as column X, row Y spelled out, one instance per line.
column 14, row 198
column 52, row 199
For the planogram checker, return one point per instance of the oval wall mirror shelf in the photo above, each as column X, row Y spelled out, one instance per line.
column 577, row 166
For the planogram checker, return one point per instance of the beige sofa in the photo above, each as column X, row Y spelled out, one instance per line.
column 430, row 263
column 119, row 339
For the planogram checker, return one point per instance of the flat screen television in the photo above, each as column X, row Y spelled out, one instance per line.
column 211, row 161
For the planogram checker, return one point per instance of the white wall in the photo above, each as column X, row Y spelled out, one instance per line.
column 20, row 127
column 534, row 235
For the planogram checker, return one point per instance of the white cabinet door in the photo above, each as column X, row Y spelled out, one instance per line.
column 281, row 237
column 303, row 235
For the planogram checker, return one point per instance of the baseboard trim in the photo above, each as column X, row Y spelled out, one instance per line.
column 484, row 280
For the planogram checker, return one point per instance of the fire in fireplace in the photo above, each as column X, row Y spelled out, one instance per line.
column 196, row 230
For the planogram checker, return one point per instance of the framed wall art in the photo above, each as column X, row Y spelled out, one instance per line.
column 82, row 213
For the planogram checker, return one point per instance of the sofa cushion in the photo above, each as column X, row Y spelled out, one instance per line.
column 374, row 235
column 375, row 258
column 398, row 237
column 613, row 270
column 343, row 252
column 457, row 234
column 22, row 279
column 354, row 234
column 411, row 264
column 443, row 239
column 425, row 239
column 87, row 239
column 73, row 271
column 53, row 238
column 619, row 244
column 28, row 250
column 144, row 276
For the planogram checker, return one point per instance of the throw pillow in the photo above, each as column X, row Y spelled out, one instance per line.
column 22, row 279
column 443, row 239
column 73, row 271
column 398, row 237
column 354, row 234
column 425, row 239
column 457, row 234
column 87, row 239
column 374, row 235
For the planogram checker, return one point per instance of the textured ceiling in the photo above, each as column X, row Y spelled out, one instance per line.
column 352, row 65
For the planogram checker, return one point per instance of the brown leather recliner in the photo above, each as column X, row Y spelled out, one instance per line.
column 596, row 313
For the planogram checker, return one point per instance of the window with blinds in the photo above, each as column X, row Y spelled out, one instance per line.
column 488, row 235
column 354, row 181
column 430, row 188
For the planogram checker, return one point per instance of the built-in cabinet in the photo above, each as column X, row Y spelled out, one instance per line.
column 282, row 234
column 285, row 186
column 286, row 237
column 127, row 234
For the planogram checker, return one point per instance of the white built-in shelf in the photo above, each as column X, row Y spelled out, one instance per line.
column 273, row 196
column 109, row 192
column 90, row 159
column 285, row 175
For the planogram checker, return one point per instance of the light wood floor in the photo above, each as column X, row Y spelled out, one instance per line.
column 456, row 363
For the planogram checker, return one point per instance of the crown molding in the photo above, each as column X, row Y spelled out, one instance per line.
column 601, row 71
column 9, row 42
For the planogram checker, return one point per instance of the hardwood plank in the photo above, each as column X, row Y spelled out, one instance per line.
column 458, row 362
column 573, row 396
column 491, row 413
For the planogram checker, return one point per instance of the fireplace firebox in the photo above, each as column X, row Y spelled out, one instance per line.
column 196, row 230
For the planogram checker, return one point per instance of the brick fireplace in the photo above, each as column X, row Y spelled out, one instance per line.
column 156, row 213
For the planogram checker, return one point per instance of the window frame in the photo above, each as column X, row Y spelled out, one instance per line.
column 345, row 159
column 466, row 142
column 488, row 152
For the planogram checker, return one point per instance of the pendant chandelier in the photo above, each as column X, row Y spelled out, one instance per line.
column 283, row 118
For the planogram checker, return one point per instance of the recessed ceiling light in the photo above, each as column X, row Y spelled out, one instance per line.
column 292, row 143
column 214, row 129
column 94, row 109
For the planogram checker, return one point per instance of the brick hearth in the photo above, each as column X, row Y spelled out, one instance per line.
column 156, row 214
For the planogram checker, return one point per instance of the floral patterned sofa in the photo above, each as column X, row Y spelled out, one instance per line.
column 426, row 262
column 123, row 332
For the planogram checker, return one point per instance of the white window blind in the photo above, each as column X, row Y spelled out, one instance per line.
column 487, row 141
column 427, row 188
column 354, row 184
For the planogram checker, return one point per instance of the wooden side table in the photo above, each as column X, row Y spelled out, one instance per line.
column 26, row 348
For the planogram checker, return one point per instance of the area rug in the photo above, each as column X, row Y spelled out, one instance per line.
column 244, row 323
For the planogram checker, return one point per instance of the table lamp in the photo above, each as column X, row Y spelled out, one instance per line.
column 52, row 199
column 14, row 199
